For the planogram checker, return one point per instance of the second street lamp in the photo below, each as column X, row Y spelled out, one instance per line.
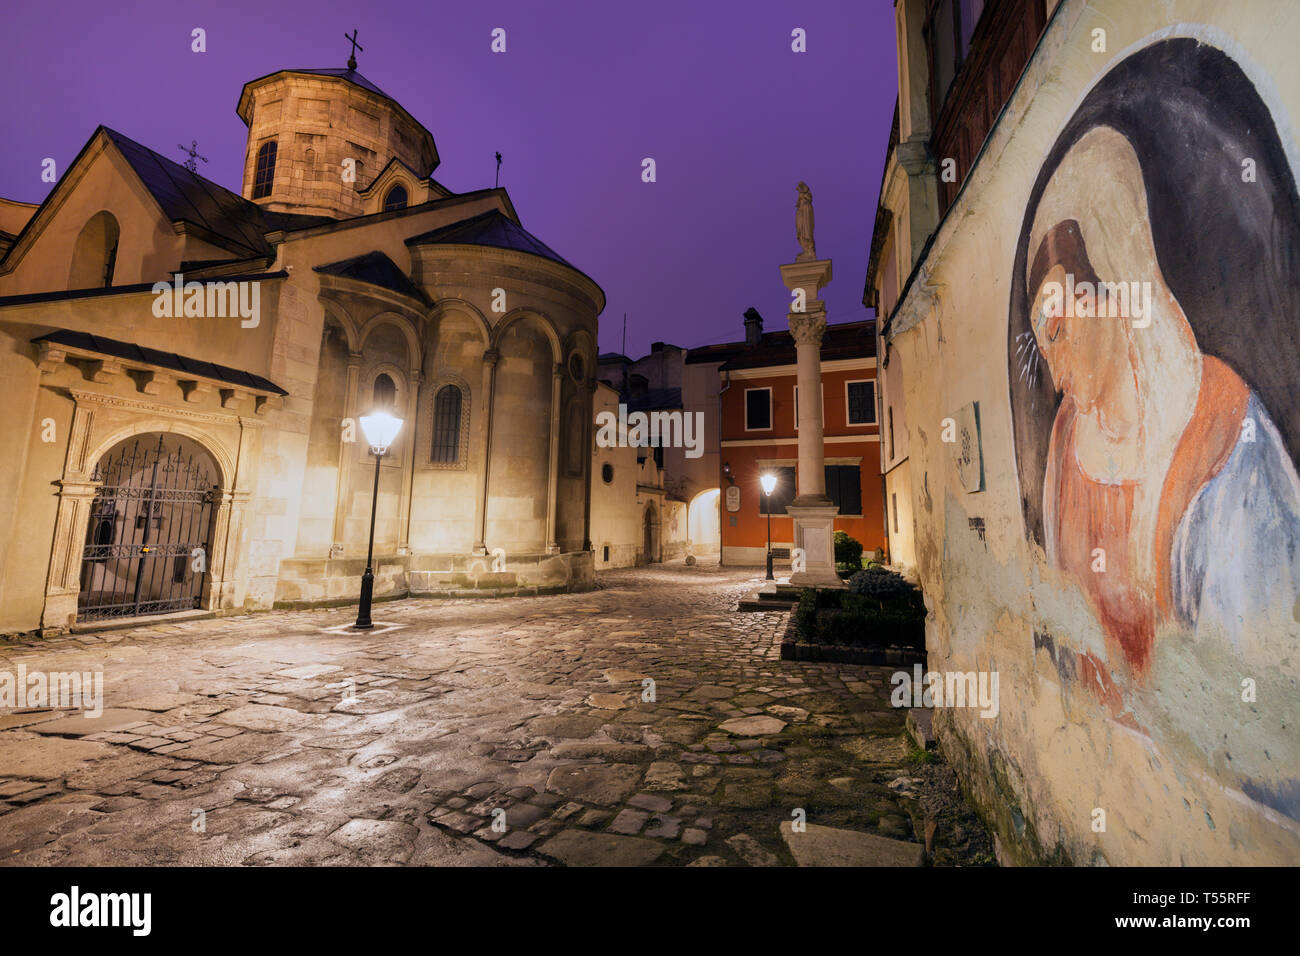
column 769, row 485
column 380, row 429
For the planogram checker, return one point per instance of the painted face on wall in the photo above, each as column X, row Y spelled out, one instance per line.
column 1081, row 337
column 1153, row 353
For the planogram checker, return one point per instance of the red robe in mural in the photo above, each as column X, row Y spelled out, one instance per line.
column 1227, row 538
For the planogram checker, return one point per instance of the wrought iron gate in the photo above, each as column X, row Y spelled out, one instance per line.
column 146, row 546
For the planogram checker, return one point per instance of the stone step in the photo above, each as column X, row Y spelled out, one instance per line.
column 772, row 596
column 832, row 846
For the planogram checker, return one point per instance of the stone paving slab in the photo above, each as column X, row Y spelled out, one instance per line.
column 82, row 726
column 642, row 723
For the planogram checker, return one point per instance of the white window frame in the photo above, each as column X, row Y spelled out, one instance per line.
column 875, row 412
column 771, row 424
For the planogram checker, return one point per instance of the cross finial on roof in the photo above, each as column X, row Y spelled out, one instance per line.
column 193, row 152
column 352, row 58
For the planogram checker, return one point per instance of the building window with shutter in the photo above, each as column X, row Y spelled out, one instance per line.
column 861, row 400
column 844, row 487
column 758, row 409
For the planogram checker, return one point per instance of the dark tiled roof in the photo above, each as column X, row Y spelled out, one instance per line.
column 352, row 76
column 170, row 360
column 377, row 269
column 491, row 228
column 846, row 340
column 289, row 221
column 186, row 196
column 654, row 398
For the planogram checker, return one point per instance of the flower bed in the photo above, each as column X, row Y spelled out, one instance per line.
column 880, row 619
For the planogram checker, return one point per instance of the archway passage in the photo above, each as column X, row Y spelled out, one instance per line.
column 703, row 524
column 146, row 546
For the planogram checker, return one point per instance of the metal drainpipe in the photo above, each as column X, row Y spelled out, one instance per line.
column 722, row 511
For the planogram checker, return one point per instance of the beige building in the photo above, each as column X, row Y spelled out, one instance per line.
column 686, row 524
column 186, row 369
column 635, row 519
column 1085, row 271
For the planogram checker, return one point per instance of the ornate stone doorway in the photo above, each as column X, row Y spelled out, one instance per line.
column 147, row 540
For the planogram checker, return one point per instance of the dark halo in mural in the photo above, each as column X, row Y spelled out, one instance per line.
column 1229, row 250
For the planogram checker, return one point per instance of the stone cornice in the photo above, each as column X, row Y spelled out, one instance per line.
column 158, row 408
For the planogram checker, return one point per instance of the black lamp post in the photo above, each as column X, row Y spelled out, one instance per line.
column 380, row 429
column 769, row 484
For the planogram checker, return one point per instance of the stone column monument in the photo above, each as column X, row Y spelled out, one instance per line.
column 813, row 512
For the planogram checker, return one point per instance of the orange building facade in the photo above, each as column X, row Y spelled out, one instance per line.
column 758, row 395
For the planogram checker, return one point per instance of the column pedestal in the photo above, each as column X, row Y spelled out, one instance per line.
column 814, row 531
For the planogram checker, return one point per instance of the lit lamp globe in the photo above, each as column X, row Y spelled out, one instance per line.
column 380, row 429
column 768, row 482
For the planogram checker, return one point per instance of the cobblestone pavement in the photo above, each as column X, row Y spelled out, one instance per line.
column 641, row 723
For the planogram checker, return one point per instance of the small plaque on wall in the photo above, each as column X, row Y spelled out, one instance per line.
column 733, row 498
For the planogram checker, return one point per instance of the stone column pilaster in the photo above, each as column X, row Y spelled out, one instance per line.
column 553, row 475
column 408, row 462
column 490, row 359
column 347, row 456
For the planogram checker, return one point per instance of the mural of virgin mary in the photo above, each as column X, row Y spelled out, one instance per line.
column 1156, row 435
column 1166, row 435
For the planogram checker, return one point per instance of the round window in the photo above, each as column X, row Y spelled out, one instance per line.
column 607, row 473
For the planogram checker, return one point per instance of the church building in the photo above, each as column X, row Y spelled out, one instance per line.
column 185, row 370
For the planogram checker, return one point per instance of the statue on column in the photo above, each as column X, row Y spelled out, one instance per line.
column 803, row 224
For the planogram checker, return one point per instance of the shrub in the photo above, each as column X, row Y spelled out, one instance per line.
column 848, row 551
column 805, row 615
column 872, row 628
column 881, row 584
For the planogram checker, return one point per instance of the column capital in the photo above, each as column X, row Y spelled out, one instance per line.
column 807, row 328
column 491, row 357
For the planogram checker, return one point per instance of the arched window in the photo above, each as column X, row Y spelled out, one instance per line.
column 396, row 198
column 384, row 393
column 446, row 425
column 264, row 172
column 94, row 256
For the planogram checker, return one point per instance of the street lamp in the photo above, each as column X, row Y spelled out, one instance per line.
column 380, row 429
column 769, row 485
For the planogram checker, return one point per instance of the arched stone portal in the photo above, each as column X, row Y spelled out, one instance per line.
column 147, row 544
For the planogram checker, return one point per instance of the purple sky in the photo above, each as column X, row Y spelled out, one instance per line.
column 710, row 89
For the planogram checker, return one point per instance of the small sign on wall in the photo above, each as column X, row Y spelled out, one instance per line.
column 733, row 498
column 967, row 453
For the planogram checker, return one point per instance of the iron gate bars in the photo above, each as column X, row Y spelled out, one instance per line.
column 146, row 546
